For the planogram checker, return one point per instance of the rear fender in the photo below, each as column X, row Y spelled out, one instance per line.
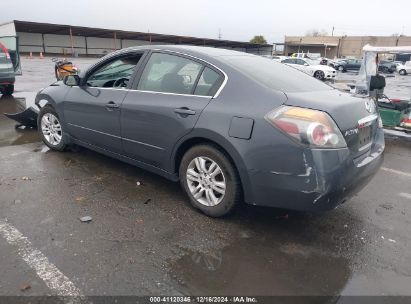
column 211, row 136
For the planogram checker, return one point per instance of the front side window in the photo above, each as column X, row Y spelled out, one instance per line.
column 115, row 74
column 169, row 74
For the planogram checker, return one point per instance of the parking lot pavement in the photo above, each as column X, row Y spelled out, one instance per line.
column 145, row 239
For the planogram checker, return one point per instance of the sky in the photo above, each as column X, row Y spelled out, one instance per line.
column 234, row 19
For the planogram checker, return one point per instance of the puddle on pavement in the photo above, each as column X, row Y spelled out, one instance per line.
column 258, row 267
column 9, row 135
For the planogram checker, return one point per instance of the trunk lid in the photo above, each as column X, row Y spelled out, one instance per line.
column 356, row 117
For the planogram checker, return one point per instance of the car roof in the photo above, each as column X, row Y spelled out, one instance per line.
column 201, row 52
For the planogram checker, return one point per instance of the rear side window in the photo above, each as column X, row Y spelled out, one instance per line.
column 169, row 74
column 208, row 83
column 274, row 75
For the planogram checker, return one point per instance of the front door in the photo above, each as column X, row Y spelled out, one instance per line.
column 172, row 92
column 92, row 110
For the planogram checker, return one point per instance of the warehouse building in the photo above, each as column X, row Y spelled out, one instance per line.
column 57, row 39
column 339, row 46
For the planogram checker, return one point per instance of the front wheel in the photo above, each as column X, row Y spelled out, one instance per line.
column 341, row 68
column 7, row 90
column 210, row 180
column 319, row 75
column 50, row 129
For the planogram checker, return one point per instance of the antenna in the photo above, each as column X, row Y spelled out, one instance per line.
column 219, row 34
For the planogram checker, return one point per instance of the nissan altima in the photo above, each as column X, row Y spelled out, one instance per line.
column 230, row 126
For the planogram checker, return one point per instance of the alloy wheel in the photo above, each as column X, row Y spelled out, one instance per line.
column 319, row 75
column 51, row 129
column 206, row 181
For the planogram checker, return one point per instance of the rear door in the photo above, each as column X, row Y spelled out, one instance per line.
column 164, row 105
column 9, row 56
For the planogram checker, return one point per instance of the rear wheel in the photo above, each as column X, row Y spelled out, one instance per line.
column 402, row 72
column 341, row 68
column 319, row 75
column 7, row 90
column 210, row 180
column 51, row 129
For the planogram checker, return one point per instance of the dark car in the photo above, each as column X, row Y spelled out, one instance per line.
column 9, row 64
column 229, row 126
column 348, row 65
column 387, row 67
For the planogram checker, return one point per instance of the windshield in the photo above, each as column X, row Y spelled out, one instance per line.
column 274, row 75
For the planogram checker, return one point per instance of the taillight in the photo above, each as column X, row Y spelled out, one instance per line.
column 406, row 122
column 5, row 50
column 307, row 126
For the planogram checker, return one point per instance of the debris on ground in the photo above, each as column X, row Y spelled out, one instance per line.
column 282, row 217
column 345, row 226
column 80, row 199
column 147, row 201
column 392, row 241
column 86, row 219
column 26, row 178
column 138, row 183
column 139, row 221
column 25, row 287
column 17, row 201
column 386, row 206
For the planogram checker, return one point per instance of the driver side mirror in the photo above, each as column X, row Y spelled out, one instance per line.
column 71, row 80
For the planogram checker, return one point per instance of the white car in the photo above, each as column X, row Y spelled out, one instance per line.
column 319, row 71
column 404, row 69
column 279, row 58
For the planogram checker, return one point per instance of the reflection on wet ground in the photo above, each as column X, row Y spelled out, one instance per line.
column 258, row 267
column 9, row 134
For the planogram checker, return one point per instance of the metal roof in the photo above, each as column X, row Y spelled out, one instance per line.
column 60, row 29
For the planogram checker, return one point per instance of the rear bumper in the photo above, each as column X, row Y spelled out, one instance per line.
column 329, row 178
column 7, row 80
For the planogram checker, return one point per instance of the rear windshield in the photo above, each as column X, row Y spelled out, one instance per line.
column 275, row 75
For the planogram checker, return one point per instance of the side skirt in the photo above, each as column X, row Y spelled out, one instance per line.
column 131, row 161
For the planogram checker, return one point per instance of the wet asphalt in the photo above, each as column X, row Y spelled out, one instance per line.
column 145, row 239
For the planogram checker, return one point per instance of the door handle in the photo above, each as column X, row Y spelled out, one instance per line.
column 112, row 105
column 185, row 111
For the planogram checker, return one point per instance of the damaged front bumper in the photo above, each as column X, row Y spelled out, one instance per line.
column 329, row 178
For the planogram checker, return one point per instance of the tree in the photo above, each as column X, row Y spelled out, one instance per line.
column 259, row 39
column 316, row 33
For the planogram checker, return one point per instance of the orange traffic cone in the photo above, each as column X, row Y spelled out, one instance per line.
column 41, row 55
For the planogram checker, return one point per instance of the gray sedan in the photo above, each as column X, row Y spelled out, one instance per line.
column 229, row 126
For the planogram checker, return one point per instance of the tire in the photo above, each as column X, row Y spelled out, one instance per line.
column 402, row 72
column 7, row 90
column 341, row 68
column 196, row 170
column 319, row 75
column 50, row 129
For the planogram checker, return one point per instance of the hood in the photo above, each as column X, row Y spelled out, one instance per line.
column 57, row 83
column 323, row 67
